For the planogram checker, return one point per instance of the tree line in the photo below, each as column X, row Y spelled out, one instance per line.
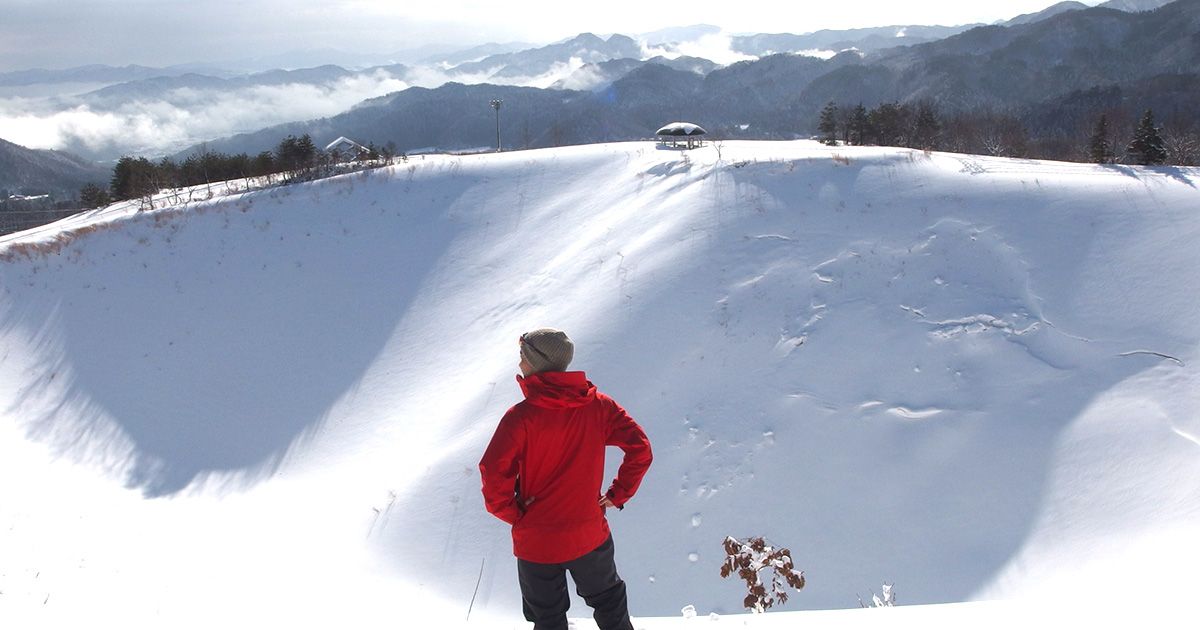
column 920, row 125
column 1115, row 137
column 294, row 158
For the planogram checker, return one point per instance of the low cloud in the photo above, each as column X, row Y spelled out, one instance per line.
column 188, row 116
column 585, row 79
column 434, row 76
column 716, row 47
column 182, row 117
column 819, row 53
column 175, row 120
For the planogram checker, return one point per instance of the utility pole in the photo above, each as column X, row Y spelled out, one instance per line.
column 496, row 106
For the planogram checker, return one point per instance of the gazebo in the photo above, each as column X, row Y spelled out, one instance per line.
column 677, row 130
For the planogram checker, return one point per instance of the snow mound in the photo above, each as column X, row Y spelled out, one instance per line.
column 970, row 377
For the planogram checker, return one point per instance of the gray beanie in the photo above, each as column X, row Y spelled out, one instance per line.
column 547, row 350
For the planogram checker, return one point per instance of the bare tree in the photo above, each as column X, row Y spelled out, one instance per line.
column 1183, row 148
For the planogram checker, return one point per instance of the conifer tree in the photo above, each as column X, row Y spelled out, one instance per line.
column 307, row 150
column 828, row 124
column 859, row 123
column 1100, row 148
column 296, row 153
column 263, row 164
column 93, row 196
column 927, row 128
column 1147, row 146
column 132, row 178
column 886, row 124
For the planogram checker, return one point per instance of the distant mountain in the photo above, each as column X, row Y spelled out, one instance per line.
column 758, row 93
column 1048, row 12
column 1173, row 98
column 154, row 88
column 1133, row 6
column 163, row 88
column 679, row 34
column 427, row 54
column 451, row 117
column 86, row 74
column 997, row 67
column 456, row 116
column 598, row 76
column 38, row 172
column 1025, row 68
column 309, row 58
column 539, row 61
column 1031, row 67
column 474, row 53
column 862, row 39
column 648, row 98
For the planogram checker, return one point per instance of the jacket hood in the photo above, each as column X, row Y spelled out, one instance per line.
column 557, row 390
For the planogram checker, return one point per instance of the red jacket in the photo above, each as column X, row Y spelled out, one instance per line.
column 543, row 470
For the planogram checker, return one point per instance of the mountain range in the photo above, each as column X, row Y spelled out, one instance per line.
column 995, row 66
column 1029, row 67
column 592, row 88
column 95, row 73
column 183, row 89
column 488, row 55
column 40, row 172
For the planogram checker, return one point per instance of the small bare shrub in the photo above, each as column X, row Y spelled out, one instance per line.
column 746, row 558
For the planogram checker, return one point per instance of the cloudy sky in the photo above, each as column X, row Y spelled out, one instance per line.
column 65, row 33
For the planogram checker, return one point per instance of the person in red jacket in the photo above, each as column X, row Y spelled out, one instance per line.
column 542, row 474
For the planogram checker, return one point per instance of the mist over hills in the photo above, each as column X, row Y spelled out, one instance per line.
column 596, row 76
column 39, row 172
column 1135, row 5
column 586, row 47
column 1008, row 66
column 187, row 89
column 1031, row 69
column 618, row 87
column 861, row 39
column 96, row 73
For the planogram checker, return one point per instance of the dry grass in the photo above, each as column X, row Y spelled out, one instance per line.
column 39, row 249
column 30, row 250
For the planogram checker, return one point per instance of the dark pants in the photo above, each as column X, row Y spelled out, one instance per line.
column 544, row 590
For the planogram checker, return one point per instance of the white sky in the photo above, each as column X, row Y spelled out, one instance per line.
column 63, row 33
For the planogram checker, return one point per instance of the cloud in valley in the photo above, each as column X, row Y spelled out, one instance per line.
column 715, row 47
column 183, row 117
column 159, row 33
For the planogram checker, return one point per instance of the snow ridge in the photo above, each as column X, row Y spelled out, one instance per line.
column 957, row 382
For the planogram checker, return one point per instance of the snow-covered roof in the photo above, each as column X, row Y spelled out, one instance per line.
column 343, row 141
column 681, row 129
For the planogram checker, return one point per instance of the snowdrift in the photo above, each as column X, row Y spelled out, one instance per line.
column 972, row 377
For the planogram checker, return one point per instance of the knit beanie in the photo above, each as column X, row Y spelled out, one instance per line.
column 547, row 350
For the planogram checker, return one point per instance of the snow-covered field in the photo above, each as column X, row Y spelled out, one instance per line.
column 975, row 378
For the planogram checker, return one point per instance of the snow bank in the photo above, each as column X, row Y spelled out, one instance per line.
column 971, row 377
